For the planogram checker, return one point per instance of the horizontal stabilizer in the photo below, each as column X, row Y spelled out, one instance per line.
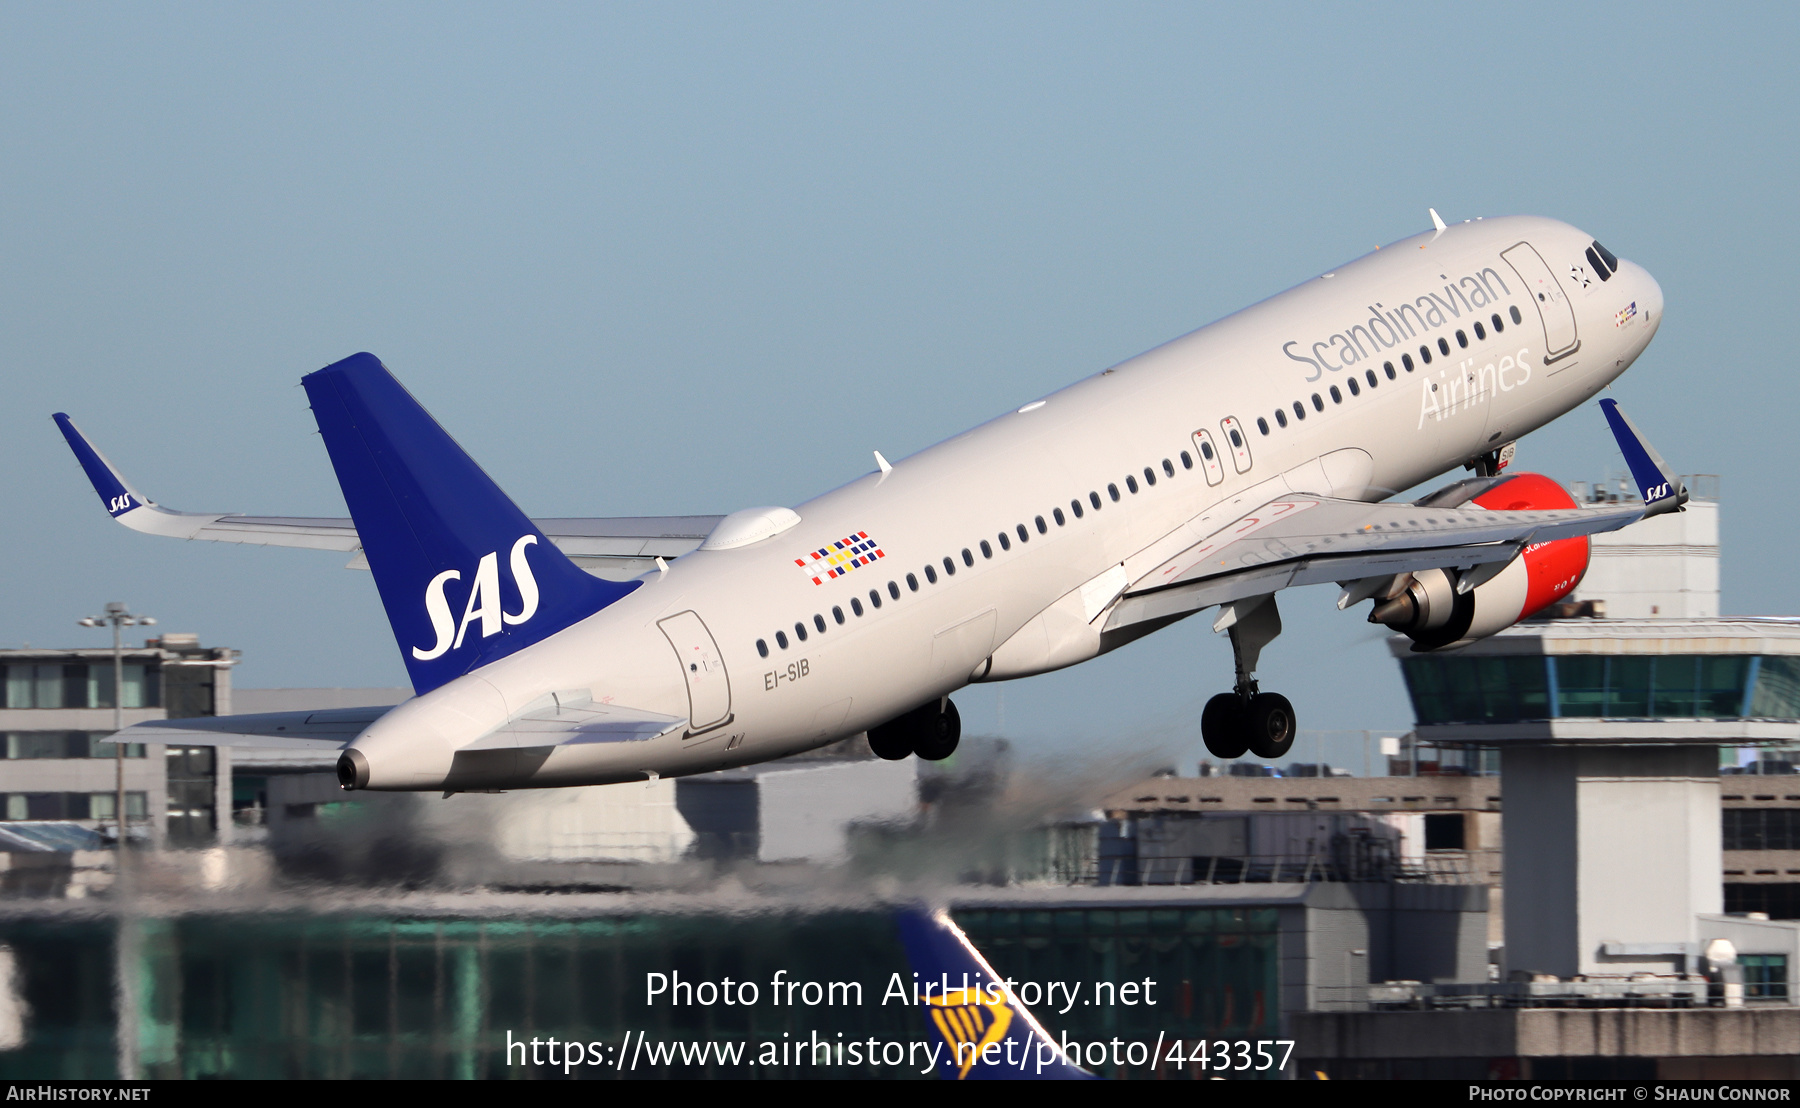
column 325, row 729
column 560, row 724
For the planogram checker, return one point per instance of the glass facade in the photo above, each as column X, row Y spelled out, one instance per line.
column 79, row 685
column 1464, row 689
column 282, row 997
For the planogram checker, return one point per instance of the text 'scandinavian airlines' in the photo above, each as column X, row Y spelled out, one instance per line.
column 1212, row 472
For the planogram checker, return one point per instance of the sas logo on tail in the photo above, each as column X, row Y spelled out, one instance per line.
column 848, row 553
column 484, row 604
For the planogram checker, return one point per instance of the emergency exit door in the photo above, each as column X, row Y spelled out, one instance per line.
column 703, row 667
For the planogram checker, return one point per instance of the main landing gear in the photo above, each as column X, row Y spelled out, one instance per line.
column 1247, row 719
column 931, row 731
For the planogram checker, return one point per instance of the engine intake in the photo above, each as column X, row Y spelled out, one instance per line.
column 1426, row 607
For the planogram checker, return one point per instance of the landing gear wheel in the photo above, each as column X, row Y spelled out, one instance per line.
column 891, row 741
column 1269, row 725
column 937, row 739
column 1222, row 726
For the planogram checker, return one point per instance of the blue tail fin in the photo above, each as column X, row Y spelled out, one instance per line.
column 979, row 1028
column 465, row 577
column 1662, row 490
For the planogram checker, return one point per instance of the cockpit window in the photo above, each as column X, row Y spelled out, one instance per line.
column 1597, row 265
column 1606, row 256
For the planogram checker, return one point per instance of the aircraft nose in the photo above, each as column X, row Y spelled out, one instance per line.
column 1651, row 297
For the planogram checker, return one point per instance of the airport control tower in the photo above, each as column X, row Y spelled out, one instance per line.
column 1612, row 724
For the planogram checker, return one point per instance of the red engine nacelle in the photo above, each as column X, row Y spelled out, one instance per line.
column 1427, row 608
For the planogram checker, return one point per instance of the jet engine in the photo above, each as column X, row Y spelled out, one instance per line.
column 1426, row 606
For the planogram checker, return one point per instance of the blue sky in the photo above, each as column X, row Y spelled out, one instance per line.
column 661, row 259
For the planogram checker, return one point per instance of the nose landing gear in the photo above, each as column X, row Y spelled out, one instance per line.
column 1248, row 719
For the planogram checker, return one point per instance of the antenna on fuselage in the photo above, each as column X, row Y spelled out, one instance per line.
column 1437, row 221
column 886, row 466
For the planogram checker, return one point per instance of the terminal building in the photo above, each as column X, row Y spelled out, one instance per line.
column 1580, row 869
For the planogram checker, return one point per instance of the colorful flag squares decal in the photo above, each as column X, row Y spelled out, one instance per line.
column 839, row 558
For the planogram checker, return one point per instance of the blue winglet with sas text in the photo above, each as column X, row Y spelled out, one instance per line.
column 1662, row 490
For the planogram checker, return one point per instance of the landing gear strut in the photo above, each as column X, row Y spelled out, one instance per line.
column 1246, row 718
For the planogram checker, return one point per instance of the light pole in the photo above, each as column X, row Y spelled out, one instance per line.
column 119, row 616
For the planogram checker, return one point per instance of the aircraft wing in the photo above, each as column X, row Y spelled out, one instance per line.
column 1303, row 539
column 615, row 546
column 1308, row 540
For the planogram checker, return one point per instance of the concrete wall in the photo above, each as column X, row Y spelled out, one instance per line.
column 1663, row 566
column 806, row 812
column 1603, row 845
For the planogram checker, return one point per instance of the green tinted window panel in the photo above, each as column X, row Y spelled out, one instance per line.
column 1580, row 684
column 1676, row 687
column 1777, row 689
column 1425, row 683
column 1529, row 682
column 1723, row 681
column 1628, row 687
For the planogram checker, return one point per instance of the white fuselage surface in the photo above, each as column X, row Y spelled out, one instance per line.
column 952, row 565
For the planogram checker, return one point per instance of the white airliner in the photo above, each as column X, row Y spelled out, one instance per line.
column 1209, row 473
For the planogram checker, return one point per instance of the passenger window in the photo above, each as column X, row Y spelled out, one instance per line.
column 1005, row 543
column 1374, row 380
column 781, row 639
column 1336, row 396
column 856, row 606
column 875, row 595
column 762, row 648
column 1388, row 368
column 1425, row 354
column 1462, row 340
column 1299, row 410
column 800, row 631
column 912, row 583
column 930, row 575
column 1024, row 535
column 1514, row 312
column 1405, row 360
column 968, row 558
column 1480, row 333
column 894, row 589
column 819, row 622
column 1131, row 483
column 1060, row 519
column 837, row 613
column 1113, row 491
column 1149, row 476
column 1094, row 499
column 1355, row 389
column 950, row 567
column 1444, row 346
column 1041, row 525
column 986, row 550
column 1498, row 326
column 1168, row 469
column 1280, row 417
column 1075, row 506
column 1262, row 425
column 1236, row 439
column 1318, row 403
column 1187, row 460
